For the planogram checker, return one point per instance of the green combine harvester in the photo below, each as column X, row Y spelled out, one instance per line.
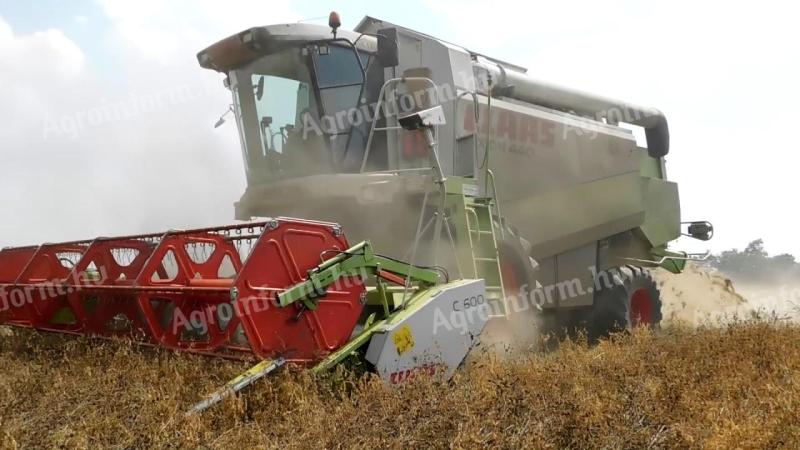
column 441, row 156
column 489, row 194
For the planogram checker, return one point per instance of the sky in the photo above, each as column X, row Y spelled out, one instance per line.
column 106, row 120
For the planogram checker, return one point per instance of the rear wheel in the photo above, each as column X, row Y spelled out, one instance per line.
column 628, row 297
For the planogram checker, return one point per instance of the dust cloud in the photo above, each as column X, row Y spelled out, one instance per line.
column 702, row 295
column 511, row 337
column 698, row 296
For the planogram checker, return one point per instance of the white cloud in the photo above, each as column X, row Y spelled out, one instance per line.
column 85, row 154
column 163, row 30
column 55, row 53
column 34, row 70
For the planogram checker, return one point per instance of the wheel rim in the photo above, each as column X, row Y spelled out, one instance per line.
column 641, row 308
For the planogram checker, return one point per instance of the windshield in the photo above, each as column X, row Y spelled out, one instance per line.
column 293, row 112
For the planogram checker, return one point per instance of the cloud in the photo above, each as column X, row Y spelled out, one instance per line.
column 128, row 149
column 34, row 70
column 55, row 53
column 162, row 30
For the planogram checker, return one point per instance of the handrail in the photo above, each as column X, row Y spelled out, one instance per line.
column 496, row 198
column 381, row 95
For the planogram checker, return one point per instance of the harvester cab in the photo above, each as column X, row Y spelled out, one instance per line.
column 290, row 85
column 333, row 126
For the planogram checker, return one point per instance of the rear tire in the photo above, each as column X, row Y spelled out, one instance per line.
column 628, row 297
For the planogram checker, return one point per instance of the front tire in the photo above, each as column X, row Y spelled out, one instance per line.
column 519, row 329
column 628, row 298
column 517, row 268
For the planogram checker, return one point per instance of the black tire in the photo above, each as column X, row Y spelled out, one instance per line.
column 627, row 297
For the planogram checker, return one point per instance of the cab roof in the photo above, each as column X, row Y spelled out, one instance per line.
column 241, row 48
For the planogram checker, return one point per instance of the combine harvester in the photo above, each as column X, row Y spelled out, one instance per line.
column 497, row 190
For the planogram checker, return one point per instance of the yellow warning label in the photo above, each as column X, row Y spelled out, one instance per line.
column 403, row 339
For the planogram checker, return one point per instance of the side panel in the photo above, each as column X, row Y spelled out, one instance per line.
column 562, row 180
column 434, row 336
column 576, row 270
column 572, row 216
column 663, row 213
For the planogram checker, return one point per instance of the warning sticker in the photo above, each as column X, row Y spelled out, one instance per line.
column 403, row 339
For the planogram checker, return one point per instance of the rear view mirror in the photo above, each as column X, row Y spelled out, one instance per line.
column 260, row 88
column 388, row 54
column 423, row 119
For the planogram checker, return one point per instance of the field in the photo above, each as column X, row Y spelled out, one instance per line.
column 732, row 386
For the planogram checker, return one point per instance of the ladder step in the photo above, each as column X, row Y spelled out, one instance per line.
column 480, row 231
